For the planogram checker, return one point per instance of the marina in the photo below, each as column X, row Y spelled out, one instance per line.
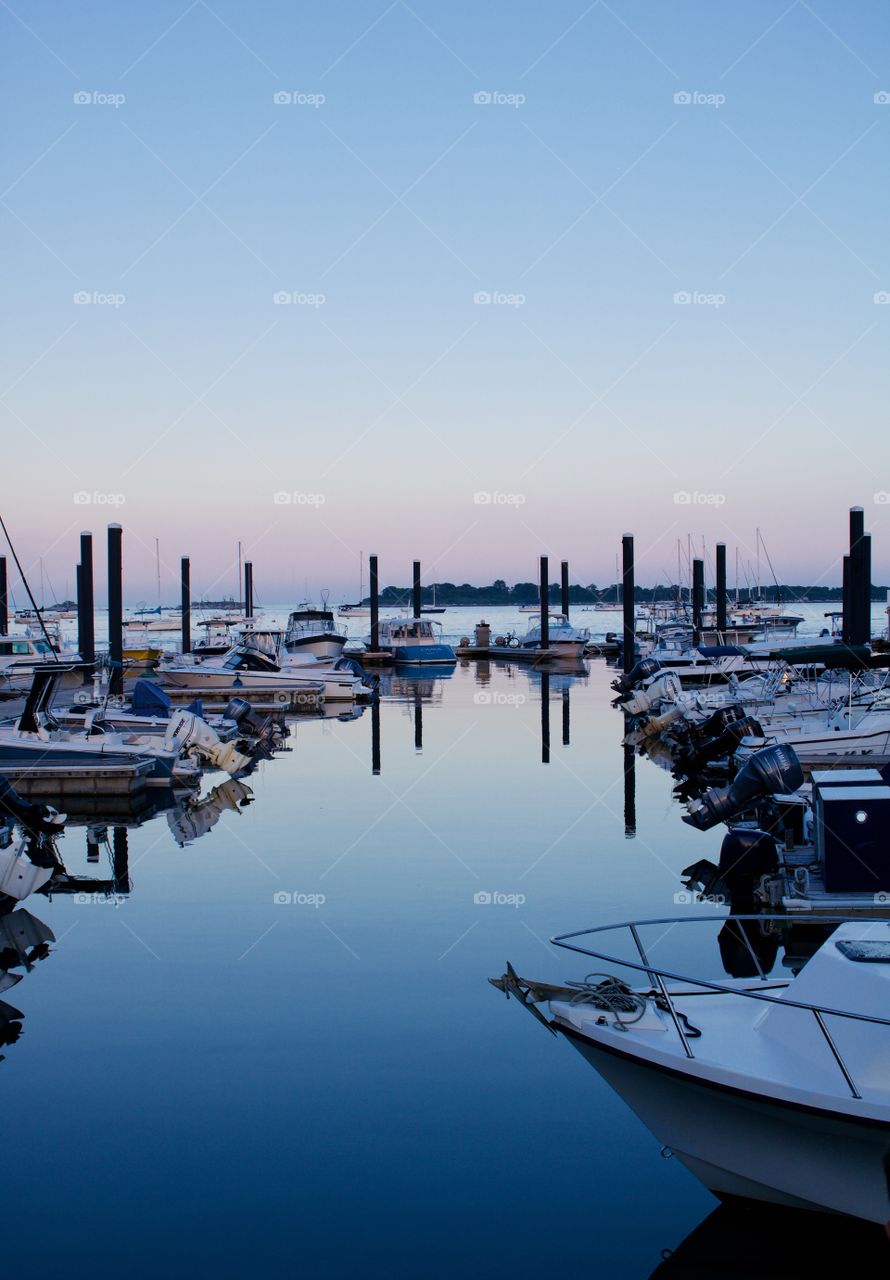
column 445, row 640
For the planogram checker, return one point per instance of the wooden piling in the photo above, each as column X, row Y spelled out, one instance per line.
column 115, row 610
column 416, row 589
column 721, row 586
column 629, row 637
column 374, row 586
column 698, row 598
column 564, row 588
column 86, row 624
column 248, row 589
column 544, row 597
column 185, row 586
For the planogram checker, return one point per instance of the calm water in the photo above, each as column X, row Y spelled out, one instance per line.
column 280, row 1049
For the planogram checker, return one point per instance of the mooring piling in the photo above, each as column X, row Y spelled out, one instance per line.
column 721, row 586
column 564, row 588
column 185, row 586
column 86, row 626
column 248, row 589
column 416, row 589
column 628, row 604
column 544, row 599
column 374, row 587
column 115, row 610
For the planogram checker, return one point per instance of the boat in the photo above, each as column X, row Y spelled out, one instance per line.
column 768, row 1088
column 562, row 637
column 247, row 669
column 414, row 641
column 19, row 656
column 313, row 631
column 37, row 740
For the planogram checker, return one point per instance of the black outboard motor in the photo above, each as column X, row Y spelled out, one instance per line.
column 638, row 673
column 36, row 817
column 773, row 771
column 745, row 856
column 725, row 743
column 745, row 950
column 717, row 721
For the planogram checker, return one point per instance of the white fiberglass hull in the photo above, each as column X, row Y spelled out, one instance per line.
column 335, row 685
column 738, row 1144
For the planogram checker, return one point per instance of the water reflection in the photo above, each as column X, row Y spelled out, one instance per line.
column 746, row 1241
column 24, row 942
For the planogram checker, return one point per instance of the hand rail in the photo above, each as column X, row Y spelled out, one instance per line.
column 657, row 976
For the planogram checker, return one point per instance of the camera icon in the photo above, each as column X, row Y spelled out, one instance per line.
column 482, row 699
column 882, row 98
column 482, row 299
column 683, row 298
column 282, row 898
column 83, row 298
column 282, row 498
column 82, row 498
column 482, row 498
column 282, row 98
column 482, row 899
column 82, row 98
column 683, row 498
column 482, row 98
column 882, row 298
column 882, row 498
column 282, row 298
column 682, row 98
column 882, row 896
column 684, row 898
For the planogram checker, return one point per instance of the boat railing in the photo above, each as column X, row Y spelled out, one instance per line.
column 659, row 976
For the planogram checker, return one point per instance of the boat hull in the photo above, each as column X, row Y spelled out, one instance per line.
column 423, row 654
column 739, row 1144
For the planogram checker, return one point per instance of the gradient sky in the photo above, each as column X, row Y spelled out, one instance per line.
column 399, row 198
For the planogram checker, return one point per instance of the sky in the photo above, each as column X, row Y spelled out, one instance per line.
column 468, row 283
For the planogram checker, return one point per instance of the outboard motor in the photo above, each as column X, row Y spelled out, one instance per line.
column 717, row 721
column 187, row 733
column 638, row 673
column 745, row 856
column 36, row 817
column 773, row 771
column 665, row 687
column 725, row 744
column 745, row 949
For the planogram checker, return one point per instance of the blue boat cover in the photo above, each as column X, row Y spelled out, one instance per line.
column 721, row 650
column 149, row 699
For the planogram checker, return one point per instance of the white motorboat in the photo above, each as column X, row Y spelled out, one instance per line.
column 313, row 631
column 19, row 655
column 246, row 668
column 566, row 640
column 772, row 1089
